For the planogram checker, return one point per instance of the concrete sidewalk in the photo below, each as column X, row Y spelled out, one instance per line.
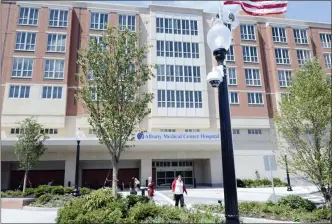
column 26, row 216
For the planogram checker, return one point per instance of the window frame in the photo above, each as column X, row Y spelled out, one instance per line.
column 66, row 14
column 250, row 49
column 22, row 67
column 52, row 94
column 161, row 98
column 298, row 36
column 54, row 71
column 245, row 34
column 18, row 89
column 28, row 16
column 327, row 60
column 284, row 78
column 230, row 56
column 279, row 54
column 234, row 76
column 56, row 40
column 253, row 78
column 328, row 40
column 28, row 36
column 302, row 61
column 124, row 22
column 279, row 38
column 255, row 94
column 234, row 98
column 100, row 26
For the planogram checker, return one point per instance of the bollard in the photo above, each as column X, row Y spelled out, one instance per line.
column 69, row 183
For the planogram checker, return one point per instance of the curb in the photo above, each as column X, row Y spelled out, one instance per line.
column 30, row 208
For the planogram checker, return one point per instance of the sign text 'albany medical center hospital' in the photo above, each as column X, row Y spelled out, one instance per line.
column 176, row 136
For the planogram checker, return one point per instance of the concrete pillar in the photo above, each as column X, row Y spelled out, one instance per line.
column 216, row 172
column 70, row 165
column 5, row 175
column 146, row 170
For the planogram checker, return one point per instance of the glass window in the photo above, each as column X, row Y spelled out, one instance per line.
column 195, row 50
column 22, row 67
column 279, row 34
column 327, row 60
column 169, row 48
column 98, row 21
column 177, row 26
column 255, row 98
column 25, row 41
column 161, row 73
column 282, row 56
column 253, row 77
column 178, row 73
column 178, row 49
column 127, row 22
column 28, row 16
column 302, row 56
column 197, row 74
column 247, row 32
column 234, row 98
column 254, row 132
column 186, row 50
column 189, row 99
column 17, row 91
column 58, row 18
column 185, row 27
column 160, row 48
column 161, row 98
column 193, row 27
column 52, row 92
column 160, row 25
column 188, row 77
column 232, row 78
column 179, row 98
column 54, row 69
column 236, row 131
column 168, row 26
column 300, row 36
column 170, row 73
column 56, row 42
column 230, row 54
column 171, row 98
column 325, row 39
column 285, row 78
column 198, row 99
column 249, row 54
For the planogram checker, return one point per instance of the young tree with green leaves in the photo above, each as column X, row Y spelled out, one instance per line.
column 30, row 145
column 112, row 75
column 304, row 125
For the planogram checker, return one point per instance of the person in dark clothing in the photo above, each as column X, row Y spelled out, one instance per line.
column 132, row 189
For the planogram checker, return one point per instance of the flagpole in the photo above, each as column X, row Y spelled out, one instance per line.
column 221, row 8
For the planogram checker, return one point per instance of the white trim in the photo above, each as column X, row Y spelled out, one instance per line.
column 99, row 10
column 284, row 69
column 29, row 31
column 251, row 67
column 324, row 32
column 303, row 48
column 24, row 56
column 41, row 5
column 53, row 58
column 95, row 35
column 302, row 27
column 56, row 32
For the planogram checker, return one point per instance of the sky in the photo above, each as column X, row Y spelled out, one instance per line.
column 315, row 11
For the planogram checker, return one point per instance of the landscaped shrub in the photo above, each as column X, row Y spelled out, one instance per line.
column 84, row 190
column 68, row 190
column 278, row 183
column 3, row 194
column 44, row 198
column 297, row 202
column 29, row 191
column 13, row 194
column 250, row 183
column 132, row 200
column 42, row 189
column 240, row 183
column 57, row 190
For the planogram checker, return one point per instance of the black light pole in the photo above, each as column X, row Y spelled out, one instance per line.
column 227, row 155
column 76, row 191
column 289, row 187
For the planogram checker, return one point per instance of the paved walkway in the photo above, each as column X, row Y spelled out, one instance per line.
column 25, row 216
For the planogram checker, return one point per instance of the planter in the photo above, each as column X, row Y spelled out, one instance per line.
column 15, row 203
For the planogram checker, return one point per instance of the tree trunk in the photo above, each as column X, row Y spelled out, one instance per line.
column 115, row 176
column 25, row 180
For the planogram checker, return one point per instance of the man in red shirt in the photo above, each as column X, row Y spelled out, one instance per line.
column 178, row 188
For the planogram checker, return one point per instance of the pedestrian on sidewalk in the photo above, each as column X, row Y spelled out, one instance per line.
column 151, row 188
column 178, row 188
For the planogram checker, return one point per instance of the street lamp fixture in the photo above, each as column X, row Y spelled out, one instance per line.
column 219, row 39
column 289, row 187
column 79, row 135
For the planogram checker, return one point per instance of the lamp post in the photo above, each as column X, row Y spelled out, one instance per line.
column 289, row 187
column 219, row 40
column 76, row 191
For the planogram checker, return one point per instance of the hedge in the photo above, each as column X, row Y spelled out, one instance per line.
column 251, row 183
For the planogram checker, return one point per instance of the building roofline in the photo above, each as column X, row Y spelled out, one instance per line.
column 270, row 20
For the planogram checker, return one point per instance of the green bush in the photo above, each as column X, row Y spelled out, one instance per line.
column 132, row 200
column 57, row 190
column 68, row 190
column 42, row 189
column 297, row 202
column 250, row 183
column 4, row 194
column 84, row 190
column 14, row 194
column 29, row 192
column 240, row 183
column 44, row 198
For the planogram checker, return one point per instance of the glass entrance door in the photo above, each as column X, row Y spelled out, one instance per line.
column 165, row 178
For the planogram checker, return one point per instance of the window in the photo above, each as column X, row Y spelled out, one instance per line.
column 285, row 95
column 16, row 131
column 195, row 50
column 178, row 73
column 92, row 132
column 197, row 74
column 160, row 48
column 98, row 21
column 179, row 98
column 160, row 25
column 171, row 98
column 161, row 98
column 253, row 77
column 58, row 18
column 25, row 41
column 198, row 99
column 279, row 34
column 300, row 36
column 188, row 77
column 168, row 26
column 161, row 73
column 52, row 92
column 185, row 27
column 236, row 131
column 49, row 131
column 56, row 42
column 19, row 91
column 97, row 40
column 186, row 50
column 93, row 94
column 234, row 98
column 178, row 49
column 170, row 73
column 191, row 130
column 325, row 40
column 254, row 132
column 285, row 78
column 249, row 54
column 247, row 32
column 189, row 99
column 169, row 48
column 230, row 54
column 282, row 56
column 54, row 69
column 193, row 27
column 28, row 16
column 177, row 26
column 167, row 130
column 255, row 98
column 327, row 60
column 232, row 76
column 127, row 22
column 302, row 56
column 22, row 68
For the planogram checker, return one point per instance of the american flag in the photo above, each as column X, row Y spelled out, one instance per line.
column 261, row 7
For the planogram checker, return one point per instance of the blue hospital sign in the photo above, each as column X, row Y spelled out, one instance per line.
column 177, row 136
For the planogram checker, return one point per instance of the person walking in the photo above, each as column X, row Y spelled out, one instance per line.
column 132, row 189
column 178, row 188
column 151, row 188
column 137, row 184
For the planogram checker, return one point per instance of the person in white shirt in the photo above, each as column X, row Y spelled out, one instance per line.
column 178, row 188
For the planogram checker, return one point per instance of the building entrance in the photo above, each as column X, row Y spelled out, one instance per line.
column 166, row 171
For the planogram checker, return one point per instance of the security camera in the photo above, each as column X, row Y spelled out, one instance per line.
column 214, row 78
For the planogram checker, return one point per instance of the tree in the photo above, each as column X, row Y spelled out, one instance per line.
column 304, row 124
column 30, row 145
column 112, row 75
